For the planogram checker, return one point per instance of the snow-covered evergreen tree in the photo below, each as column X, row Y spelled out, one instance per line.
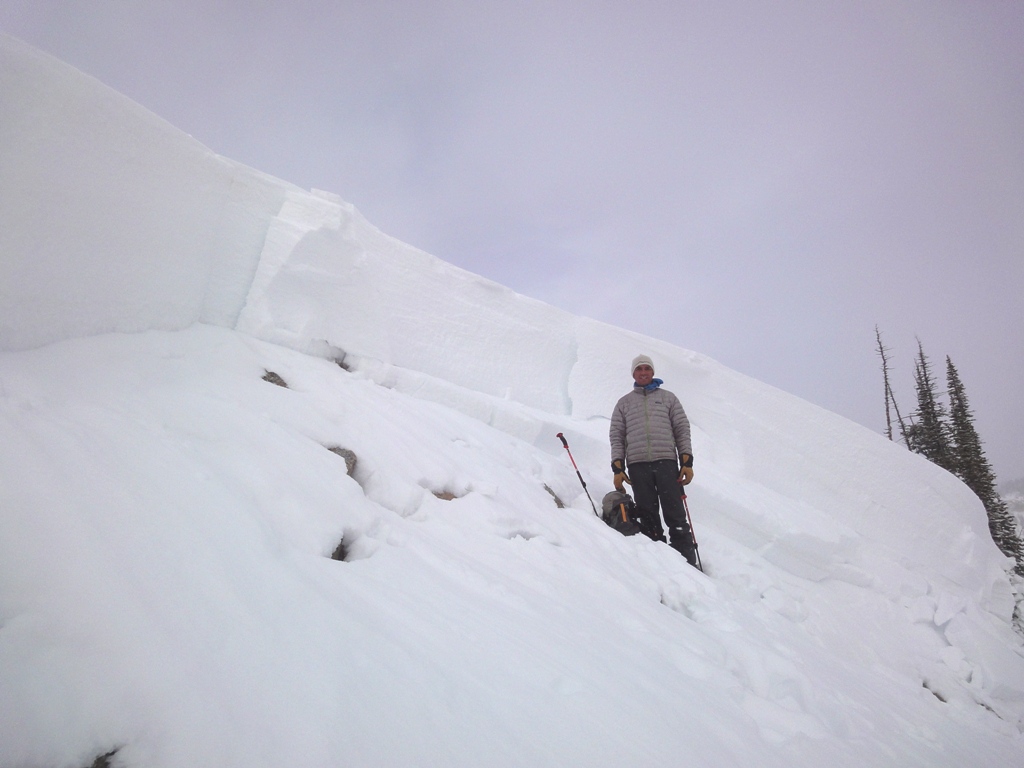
column 929, row 433
column 971, row 465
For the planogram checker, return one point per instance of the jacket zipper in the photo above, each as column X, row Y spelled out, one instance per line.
column 647, row 427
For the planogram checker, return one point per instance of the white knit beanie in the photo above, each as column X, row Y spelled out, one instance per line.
column 641, row 360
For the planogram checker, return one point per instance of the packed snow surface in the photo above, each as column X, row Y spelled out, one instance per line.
column 169, row 509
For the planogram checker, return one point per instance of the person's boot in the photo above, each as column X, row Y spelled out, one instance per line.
column 683, row 544
column 651, row 530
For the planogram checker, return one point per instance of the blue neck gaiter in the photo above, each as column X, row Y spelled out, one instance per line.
column 655, row 383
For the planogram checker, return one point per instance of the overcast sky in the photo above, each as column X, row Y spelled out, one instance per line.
column 760, row 182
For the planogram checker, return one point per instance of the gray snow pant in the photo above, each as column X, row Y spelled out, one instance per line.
column 655, row 481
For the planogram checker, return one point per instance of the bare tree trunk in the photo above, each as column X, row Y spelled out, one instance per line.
column 899, row 418
column 885, row 375
column 890, row 398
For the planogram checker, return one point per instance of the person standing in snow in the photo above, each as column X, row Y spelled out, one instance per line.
column 650, row 434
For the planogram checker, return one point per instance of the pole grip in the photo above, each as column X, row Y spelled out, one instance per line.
column 561, row 437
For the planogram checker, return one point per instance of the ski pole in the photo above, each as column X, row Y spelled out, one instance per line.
column 566, row 445
column 693, row 536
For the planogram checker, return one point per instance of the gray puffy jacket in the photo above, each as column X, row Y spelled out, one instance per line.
column 649, row 426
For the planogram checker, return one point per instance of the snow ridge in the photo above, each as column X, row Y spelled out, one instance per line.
column 168, row 516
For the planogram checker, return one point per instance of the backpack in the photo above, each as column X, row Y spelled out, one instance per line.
column 619, row 511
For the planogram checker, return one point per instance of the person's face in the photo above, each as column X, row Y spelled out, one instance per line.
column 643, row 375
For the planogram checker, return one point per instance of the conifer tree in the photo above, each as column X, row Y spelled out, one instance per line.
column 928, row 433
column 972, row 466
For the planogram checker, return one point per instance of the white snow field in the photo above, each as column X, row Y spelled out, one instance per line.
column 167, row 516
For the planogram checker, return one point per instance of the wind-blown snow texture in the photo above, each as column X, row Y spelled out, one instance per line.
column 167, row 516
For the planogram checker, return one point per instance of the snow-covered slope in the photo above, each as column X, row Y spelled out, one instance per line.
column 110, row 218
column 167, row 516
